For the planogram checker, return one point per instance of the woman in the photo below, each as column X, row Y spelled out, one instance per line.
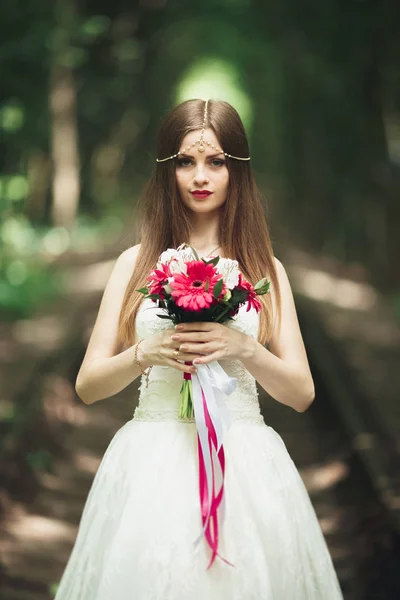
column 135, row 539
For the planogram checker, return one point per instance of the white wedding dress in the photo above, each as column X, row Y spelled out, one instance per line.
column 142, row 515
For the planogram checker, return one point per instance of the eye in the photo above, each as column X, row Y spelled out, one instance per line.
column 218, row 162
column 181, row 162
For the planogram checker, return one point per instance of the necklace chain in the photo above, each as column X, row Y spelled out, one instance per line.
column 207, row 255
column 213, row 250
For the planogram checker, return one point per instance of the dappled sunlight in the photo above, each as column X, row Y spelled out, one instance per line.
column 364, row 441
column 332, row 524
column 217, row 79
column 59, row 402
column 391, row 122
column 394, row 501
column 344, row 305
column 33, row 532
column 344, row 293
column 79, row 142
column 36, row 528
column 56, row 241
column 86, row 462
column 322, row 477
column 88, row 279
column 44, row 332
column 12, row 115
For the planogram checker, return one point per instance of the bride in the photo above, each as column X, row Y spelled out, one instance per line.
column 135, row 538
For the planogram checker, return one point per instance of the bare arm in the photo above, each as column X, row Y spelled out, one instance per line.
column 283, row 370
column 104, row 373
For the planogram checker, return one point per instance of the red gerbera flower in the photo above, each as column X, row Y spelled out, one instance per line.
column 194, row 291
column 158, row 278
column 252, row 300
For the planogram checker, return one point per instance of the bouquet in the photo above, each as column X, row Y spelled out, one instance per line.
column 189, row 289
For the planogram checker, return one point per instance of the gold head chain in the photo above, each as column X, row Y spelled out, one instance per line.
column 202, row 142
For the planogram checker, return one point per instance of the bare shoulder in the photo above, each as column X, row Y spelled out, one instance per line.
column 123, row 266
column 283, row 280
column 279, row 267
column 131, row 252
column 129, row 256
column 286, row 342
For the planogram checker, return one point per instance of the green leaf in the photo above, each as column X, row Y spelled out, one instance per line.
column 214, row 261
column 194, row 253
column 154, row 296
column 218, row 288
column 260, row 283
column 165, row 317
column 238, row 296
column 264, row 289
column 143, row 290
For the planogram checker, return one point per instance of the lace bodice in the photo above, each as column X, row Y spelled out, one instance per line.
column 161, row 399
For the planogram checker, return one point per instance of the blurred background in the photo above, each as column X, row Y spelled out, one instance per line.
column 84, row 86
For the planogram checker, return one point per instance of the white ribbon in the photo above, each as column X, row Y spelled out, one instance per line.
column 215, row 383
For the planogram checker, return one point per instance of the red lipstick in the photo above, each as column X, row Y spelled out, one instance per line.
column 201, row 193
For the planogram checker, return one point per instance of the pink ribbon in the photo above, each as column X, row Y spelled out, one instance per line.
column 209, row 513
column 208, row 388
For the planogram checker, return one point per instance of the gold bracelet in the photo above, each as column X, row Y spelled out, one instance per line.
column 140, row 366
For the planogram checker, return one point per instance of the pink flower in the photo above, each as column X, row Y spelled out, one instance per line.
column 194, row 291
column 252, row 300
column 158, row 278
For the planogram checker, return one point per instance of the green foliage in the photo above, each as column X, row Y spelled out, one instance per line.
column 218, row 288
column 40, row 460
column 316, row 86
column 28, row 277
column 25, row 281
column 262, row 287
column 53, row 587
column 24, row 286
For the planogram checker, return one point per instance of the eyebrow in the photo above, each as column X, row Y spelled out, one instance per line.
column 208, row 155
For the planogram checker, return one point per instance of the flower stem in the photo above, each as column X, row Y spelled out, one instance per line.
column 186, row 406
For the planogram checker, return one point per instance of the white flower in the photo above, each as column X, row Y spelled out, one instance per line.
column 178, row 266
column 168, row 255
column 175, row 260
column 229, row 269
column 186, row 252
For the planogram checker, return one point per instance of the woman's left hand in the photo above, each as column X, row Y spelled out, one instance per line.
column 212, row 341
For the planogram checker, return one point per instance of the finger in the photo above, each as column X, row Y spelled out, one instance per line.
column 196, row 326
column 201, row 348
column 181, row 366
column 187, row 356
column 191, row 336
column 177, row 354
column 207, row 359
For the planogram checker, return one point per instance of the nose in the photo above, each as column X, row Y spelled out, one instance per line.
column 200, row 176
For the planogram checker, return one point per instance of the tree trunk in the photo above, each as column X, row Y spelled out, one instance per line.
column 64, row 134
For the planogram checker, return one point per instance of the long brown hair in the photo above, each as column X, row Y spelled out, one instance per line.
column 165, row 220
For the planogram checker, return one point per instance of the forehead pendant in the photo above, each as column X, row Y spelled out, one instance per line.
column 202, row 143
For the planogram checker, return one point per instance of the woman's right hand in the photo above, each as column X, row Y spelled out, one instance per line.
column 160, row 349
